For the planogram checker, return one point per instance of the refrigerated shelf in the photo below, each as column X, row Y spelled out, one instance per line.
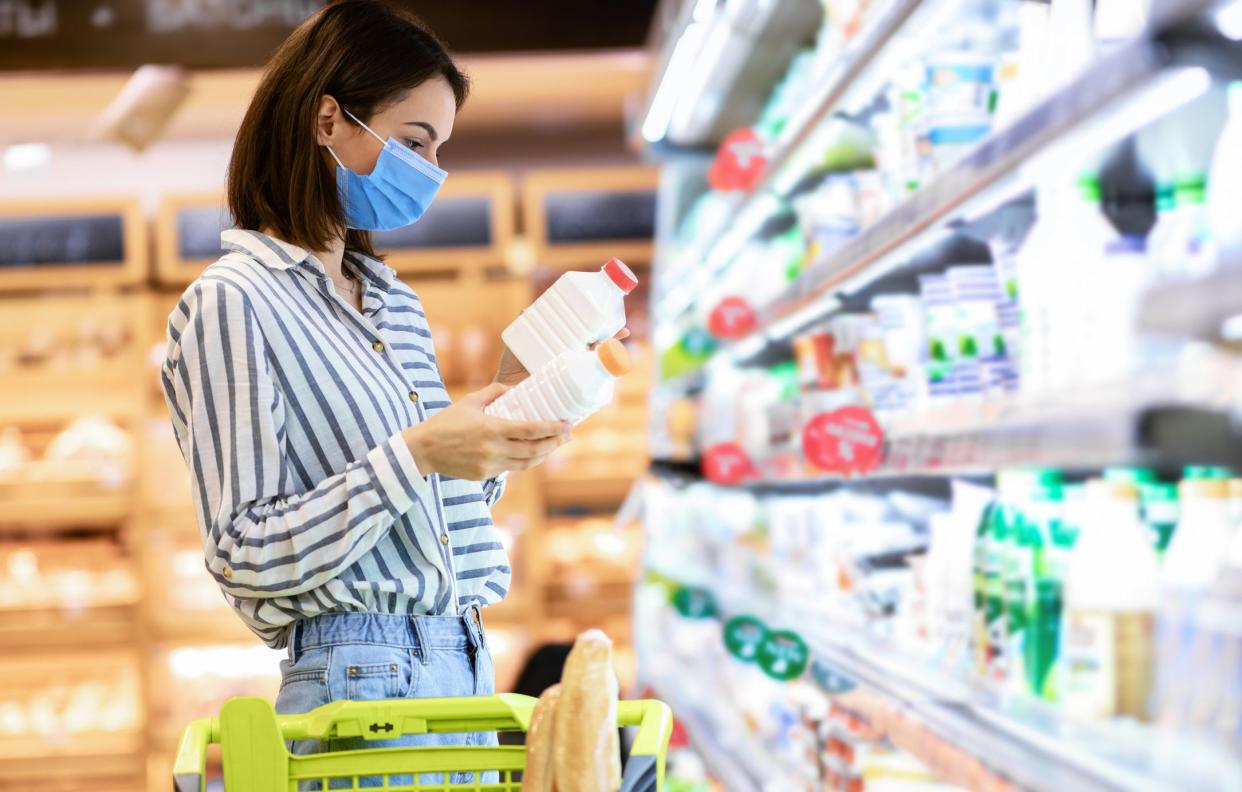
column 1028, row 742
column 1116, row 94
column 734, row 766
column 881, row 25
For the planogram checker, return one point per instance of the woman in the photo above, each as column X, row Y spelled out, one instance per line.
column 343, row 503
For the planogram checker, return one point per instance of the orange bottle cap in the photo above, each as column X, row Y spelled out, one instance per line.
column 614, row 357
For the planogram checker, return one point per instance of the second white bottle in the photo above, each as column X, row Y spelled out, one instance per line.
column 571, row 387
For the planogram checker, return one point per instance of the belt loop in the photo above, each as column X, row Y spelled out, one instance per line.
column 295, row 637
column 418, row 625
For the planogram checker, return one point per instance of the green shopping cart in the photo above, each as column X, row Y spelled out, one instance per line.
column 255, row 758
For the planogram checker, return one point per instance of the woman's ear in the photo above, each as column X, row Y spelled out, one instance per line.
column 326, row 120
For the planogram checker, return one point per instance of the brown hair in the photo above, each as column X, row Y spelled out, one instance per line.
column 364, row 54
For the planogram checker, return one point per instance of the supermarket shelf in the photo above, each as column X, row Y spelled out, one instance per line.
column 567, row 487
column 1030, row 743
column 80, row 758
column 96, row 510
column 733, row 767
column 39, row 629
column 1148, row 421
column 881, row 26
column 1195, row 308
column 204, row 627
column 48, row 396
column 1088, row 113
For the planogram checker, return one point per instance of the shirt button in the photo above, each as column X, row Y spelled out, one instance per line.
column 443, row 539
column 228, row 572
column 414, row 396
column 378, row 346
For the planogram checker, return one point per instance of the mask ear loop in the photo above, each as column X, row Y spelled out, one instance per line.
column 333, row 153
column 364, row 126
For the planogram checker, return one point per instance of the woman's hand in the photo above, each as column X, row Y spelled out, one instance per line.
column 512, row 371
column 463, row 442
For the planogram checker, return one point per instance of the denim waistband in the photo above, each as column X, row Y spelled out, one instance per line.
column 415, row 632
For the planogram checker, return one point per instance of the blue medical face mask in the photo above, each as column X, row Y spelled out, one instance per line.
column 394, row 194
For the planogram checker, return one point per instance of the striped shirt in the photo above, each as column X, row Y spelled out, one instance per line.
column 288, row 406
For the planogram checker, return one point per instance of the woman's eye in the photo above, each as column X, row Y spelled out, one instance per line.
column 414, row 144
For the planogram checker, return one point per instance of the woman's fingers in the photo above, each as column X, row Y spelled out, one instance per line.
column 529, row 449
column 533, row 430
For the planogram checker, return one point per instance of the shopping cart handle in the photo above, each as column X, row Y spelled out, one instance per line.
column 190, row 765
column 388, row 718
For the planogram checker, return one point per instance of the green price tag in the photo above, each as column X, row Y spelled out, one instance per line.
column 694, row 603
column 783, row 655
column 833, row 682
column 742, row 637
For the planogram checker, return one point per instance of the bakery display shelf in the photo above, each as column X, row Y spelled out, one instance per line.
column 1118, row 93
column 200, row 627
column 95, row 509
column 575, row 487
column 81, row 756
column 46, row 396
column 1028, row 742
column 61, row 626
column 747, row 216
column 733, row 766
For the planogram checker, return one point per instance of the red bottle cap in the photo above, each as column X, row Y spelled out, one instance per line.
column 621, row 275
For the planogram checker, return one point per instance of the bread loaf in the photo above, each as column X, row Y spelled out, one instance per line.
column 586, row 719
column 540, row 738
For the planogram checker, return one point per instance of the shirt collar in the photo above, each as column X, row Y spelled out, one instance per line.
column 280, row 255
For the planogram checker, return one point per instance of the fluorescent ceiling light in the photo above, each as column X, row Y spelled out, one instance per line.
column 1229, row 21
column 655, row 127
column 27, row 156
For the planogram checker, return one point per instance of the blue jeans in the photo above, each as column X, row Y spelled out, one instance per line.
column 374, row 656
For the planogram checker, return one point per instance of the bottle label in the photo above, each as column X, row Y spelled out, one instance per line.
column 1090, row 663
column 994, row 612
column 1017, row 579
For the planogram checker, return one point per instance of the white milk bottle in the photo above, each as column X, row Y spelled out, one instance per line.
column 570, row 388
column 1190, row 567
column 1112, row 590
column 576, row 311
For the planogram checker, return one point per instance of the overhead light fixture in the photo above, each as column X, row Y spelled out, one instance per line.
column 1229, row 21
column 685, row 52
column 27, row 157
column 146, row 104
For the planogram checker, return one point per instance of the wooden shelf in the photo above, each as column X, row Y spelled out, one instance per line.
column 203, row 627
column 80, row 759
column 58, row 395
column 28, row 629
column 47, row 513
column 567, row 488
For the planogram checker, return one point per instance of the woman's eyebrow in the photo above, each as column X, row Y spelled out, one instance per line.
column 430, row 129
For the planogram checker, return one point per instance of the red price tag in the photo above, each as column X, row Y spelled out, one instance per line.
column 726, row 463
column 847, row 441
column 739, row 163
column 732, row 318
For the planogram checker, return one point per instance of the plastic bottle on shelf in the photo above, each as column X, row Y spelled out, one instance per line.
column 1191, row 564
column 1161, row 513
column 577, row 310
column 1111, row 595
column 1235, row 503
column 1066, row 245
column 1179, row 244
column 1224, row 186
column 1214, row 697
column 1018, row 94
column 1044, row 538
column 1024, row 564
column 570, row 388
column 1070, row 42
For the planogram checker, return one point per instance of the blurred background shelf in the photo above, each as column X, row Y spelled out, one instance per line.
column 43, row 629
column 49, row 513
